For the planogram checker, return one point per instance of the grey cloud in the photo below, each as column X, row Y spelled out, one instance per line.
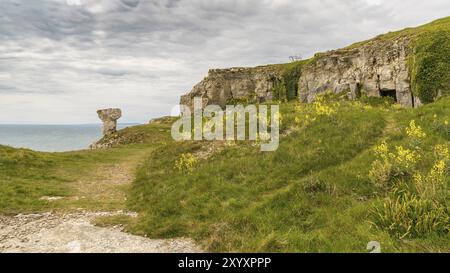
column 5, row 88
column 143, row 55
column 131, row 3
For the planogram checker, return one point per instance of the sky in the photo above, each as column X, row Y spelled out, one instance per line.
column 61, row 60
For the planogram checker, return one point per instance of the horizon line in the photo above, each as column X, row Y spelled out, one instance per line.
column 68, row 124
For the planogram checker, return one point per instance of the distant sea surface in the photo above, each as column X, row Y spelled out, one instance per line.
column 52, row 138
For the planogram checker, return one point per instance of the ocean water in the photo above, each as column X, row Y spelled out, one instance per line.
column 52, row 138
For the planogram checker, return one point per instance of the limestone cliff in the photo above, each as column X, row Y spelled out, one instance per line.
column 223, row 86
column 411, row 66
column 378, row 68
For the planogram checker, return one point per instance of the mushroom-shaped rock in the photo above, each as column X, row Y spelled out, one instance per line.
column 109, row 118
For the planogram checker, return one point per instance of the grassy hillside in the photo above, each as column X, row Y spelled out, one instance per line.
column 27, row 176
column 313, row 194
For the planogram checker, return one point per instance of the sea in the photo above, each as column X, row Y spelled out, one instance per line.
column 52, row 138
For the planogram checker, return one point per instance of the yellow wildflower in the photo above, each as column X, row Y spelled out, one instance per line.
column 442, row 152
column 415, row 131
column 382, row 150
column 185, row 163
column 404, row 158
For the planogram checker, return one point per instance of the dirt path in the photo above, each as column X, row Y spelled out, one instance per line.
column 75, row 232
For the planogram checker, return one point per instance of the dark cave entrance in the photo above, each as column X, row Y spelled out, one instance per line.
column 390, row 93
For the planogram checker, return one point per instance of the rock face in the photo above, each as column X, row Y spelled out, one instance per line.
column 224, row 85
column 109, row 118
column 378, row 68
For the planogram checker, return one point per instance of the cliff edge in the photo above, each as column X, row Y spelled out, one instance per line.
column 412, row 66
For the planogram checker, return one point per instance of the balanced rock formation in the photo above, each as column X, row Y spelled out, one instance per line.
column 109, row 118
column 223, row 86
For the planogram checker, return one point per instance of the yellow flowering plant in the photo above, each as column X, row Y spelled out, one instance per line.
column 416, row 133
column 407, row 212
column 389, row 165
column 433, row 184
column 404, row 160
column 321, row 107
column 185, row 163
column 441, row 152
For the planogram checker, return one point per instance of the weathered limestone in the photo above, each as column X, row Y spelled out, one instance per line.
column 109, row 118
column 378, row 68
column 222, row 85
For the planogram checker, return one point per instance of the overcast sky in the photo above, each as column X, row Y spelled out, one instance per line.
column 61, row 60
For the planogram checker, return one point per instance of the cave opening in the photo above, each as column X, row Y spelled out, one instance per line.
column 390, row 93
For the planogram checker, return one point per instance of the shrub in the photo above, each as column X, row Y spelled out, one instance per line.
column 314, row 185
column 287, row 88
column 416, row 134
column 390, row 165
column 433, row 185
column 380, row 174
column 403, row 161
column 279, row 92
column 430, row 65
column 412, row 214
column 407, row 215
column 185, row 163
column 415, row 131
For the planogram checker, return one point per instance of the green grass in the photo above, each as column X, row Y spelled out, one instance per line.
column 430, row 65
column 26, row 176
column 311, row 195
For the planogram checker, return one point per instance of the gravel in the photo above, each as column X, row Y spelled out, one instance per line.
column 75, row 233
